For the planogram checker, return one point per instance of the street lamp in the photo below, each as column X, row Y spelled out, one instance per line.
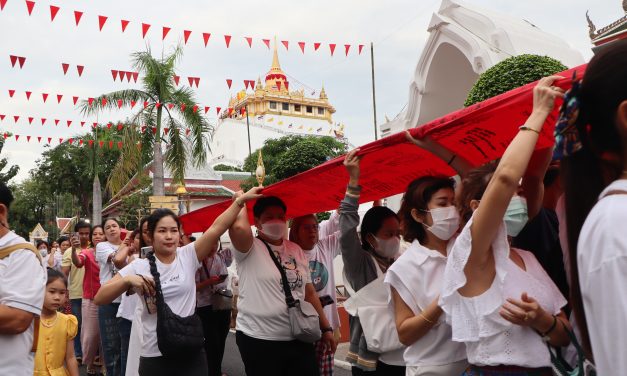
column 181, row 192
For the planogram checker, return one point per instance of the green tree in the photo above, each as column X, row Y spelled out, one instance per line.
column 135, row 205
column 11, row 172
column 158, row 91
column 223, row 167
column 30, row 206
column 511, row 73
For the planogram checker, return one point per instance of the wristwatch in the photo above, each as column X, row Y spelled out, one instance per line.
column 327, row 329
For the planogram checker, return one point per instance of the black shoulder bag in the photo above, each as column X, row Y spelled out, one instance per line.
column 177, row 337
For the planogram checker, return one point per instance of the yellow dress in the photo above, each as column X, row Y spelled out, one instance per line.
column 50, row 355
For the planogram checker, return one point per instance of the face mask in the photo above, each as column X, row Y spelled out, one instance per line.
column 274, row 229
column 388, row 247
column 445, row 222
column 516, row 215
column 43, row 252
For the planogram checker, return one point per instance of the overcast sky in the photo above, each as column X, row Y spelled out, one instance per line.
column 397, row 28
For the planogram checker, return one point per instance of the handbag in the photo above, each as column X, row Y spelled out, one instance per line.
column 304, row 320
column 177, row 337
column 561, row 367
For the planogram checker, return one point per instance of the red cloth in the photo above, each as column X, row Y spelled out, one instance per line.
column 480, row 133
column 91, row 280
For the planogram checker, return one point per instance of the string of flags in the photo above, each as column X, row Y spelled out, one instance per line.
column 166, row 30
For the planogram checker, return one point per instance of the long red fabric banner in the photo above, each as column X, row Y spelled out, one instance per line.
column 480, row 133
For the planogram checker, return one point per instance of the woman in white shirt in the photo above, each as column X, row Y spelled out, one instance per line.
column 499, row 301
column 595, row 170
column 176, row 267
column 430, row 222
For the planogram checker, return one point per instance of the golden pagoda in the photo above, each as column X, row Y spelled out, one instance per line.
column 275, row 98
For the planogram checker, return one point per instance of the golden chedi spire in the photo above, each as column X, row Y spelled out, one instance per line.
column 275, row 78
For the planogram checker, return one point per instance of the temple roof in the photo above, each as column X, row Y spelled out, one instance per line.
column 614, row 31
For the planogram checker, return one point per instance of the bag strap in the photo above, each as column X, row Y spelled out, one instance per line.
column 155, row 276
column 6, row 251
column 289, row 299
column 558, row 360
column 615, row 192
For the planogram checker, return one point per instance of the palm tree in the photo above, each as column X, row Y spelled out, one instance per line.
column 158, row 90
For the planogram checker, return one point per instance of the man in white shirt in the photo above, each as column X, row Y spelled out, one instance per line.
column 22, row 286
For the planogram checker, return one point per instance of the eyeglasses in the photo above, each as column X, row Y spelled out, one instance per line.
column 311, row 227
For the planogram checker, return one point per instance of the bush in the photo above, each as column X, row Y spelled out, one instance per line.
column 223, row 167
column 511, row 73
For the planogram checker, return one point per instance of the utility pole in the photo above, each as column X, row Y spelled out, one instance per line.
column 374, row 100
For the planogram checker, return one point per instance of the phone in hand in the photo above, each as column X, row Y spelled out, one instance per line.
column 144, row 251
column 326, row 300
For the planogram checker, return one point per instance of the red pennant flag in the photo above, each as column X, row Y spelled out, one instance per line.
column 70, row 140
column 16, row 118
column 75, row 99
column 28, row 93
column 252, row 84
column 109, row 125
column 91, row 143
column 60, row 140
column 90, row 101
column 56, row 121
column 154, row 130
column 2, row 3
column 80, row 69
column 166, row 130
column 230, row 110
column 302, row 46
column 17, row 137
column 80, row 142
column 229, row 82
column 205, row 37
column 287, row 85
column 44, row 96
column 2, row 117
column 145, row 104
column 120, row 127
column 69, row 122
column 176, row 79
column 346, row 48
column 77, row 16
column 65, row 66
column 100, row 143
column 158, row 104
column 39, row 139
column 135, row 76
column 250, row 41
column 104, row 101
column 21, row 60
column 11, row 92
column 145, row 28
column 128, row 76
column 114, row 73
column 121, row 75
column 30, row 5
column 218, row 110
column 186, row 34
column 361, row 46
column 59, row 97
column 187, row 131
column 246, row 84
column 82, row 123
column 332, row 48
column 27, row 138
column 206, row 109
column 133, row 104
column 278, row 85
column 124, row 24
column 227, row 40
column 43, row 121
column 286, row 44
column 30, row 120
column 242, row 110
column 119, row 144
column 120, row 103
column 165, row 32
column 13, row 60
column 143, row 128
column 197, row 80
column 170, row 106
column 53, row 12
column 183, row 107
column 195, row 108
column 316, row 46
column 94, row 124
column 6, row 135
column 191, row 81
column 49, row 139
column 101, row 21
column 266, row 42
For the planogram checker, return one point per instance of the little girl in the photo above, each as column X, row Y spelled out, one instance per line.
column 55, row 349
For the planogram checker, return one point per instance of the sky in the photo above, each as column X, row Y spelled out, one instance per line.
column 397, row 28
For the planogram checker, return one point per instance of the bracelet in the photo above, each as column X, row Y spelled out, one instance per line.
column 526, row 128
column 546, row 334
column 349, row 194
column 426, row 319
column 239, row 202
column 327, row 329
column 452, row 159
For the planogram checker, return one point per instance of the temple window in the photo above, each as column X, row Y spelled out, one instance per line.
column 309, row 109
column 320, row 110
column 297, row 108
column 285, row 106
column 272, row 105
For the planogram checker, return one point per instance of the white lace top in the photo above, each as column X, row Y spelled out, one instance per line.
column 490, row 339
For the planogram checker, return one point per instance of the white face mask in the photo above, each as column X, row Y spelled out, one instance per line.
column 43, row 252
column 388, row 248
column 445, row 222
column 516, row 215
column 273, row 229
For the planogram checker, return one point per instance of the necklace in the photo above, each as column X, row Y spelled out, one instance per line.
column 56, row 317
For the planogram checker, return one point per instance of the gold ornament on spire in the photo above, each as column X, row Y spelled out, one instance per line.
column 260, row 172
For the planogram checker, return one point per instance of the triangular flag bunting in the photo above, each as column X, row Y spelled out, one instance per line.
column 206, row 109
column 6, row 135
column 143, row 128
column 100, row 143
column 124, row 24
column 21, row 60
column 229, row 82
column 49, row 139
column 120, row 126
column 91, row 143
column 17, row 137
column 332, row 48
column 82, row 123
column 28, row 93
column 316, row 46
column 165, row 32
column 176, row 79
column 69, row 122
column 2, row 3
column 154, row 130
column 187, row 131
column 166, row 130
column 242, row 110
column 59, row 97
column 195, row 108
column 13, row 60
column 360, row 47
column 74, row 100
column 145, row 28
column 2, row 117
column 30, row 120
column 246, row 84
column 56, row 121
column 286, row 44
column 27, row 138
column 65, row 66
column 104, row 101
column 120, row 103
column 186, row 34
column 191, row 81
column 128, row 76
column 43, row 121
column 170, row 106
column 183, row 107
column 227, row 40
column 266, row 42
column 346, row 48
column 39, row 139
column 80, row 142
column 252, row 84
column 302, row 46
column 70, row 140
column 16, row 118
column 135, row 76
column 79, row 69
column 53, row 12
column 230, row 110
column 133, row 103
column 114, row 73
column 120, row 144
column 109, row 125
column 11, row 92
column 90, row 101
column 158, row 104
column 94, row 124
column 197, row 80
column 44, row 96
column 30, row 5
column 205, row 37
column 101, row 21
column 77, row 16
column 145, row 104
column 250, row 41
column 218, row 110
column 60, row 140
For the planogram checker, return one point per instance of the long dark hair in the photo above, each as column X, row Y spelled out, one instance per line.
column 474, row 186
column 53, row 275
column 91, row 233
column 142, row 242
column 603, row 88
column 156, row 216
column 372, row 222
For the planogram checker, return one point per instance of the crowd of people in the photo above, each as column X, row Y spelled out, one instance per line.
column 518, row 267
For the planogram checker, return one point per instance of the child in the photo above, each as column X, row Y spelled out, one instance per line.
column 55, row 349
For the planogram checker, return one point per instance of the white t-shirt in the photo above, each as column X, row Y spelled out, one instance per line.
column 107, row 269
column 262, row 311
column 490, row 339
column 602, row 264
column 179, row 291
column 417, row 277
column 22, row 286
